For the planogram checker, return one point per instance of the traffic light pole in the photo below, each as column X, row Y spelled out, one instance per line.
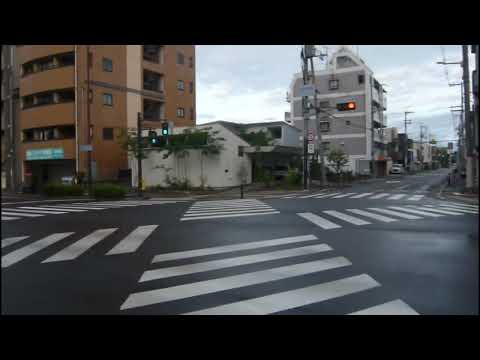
column 139, row 154
column 305, row 121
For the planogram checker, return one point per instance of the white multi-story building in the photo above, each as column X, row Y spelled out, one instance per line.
column 347, row 79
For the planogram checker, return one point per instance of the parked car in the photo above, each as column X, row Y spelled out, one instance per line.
column 397, row 169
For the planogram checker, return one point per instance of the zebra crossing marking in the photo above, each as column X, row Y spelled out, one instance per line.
column 78, row 248
column 359, row 196
column 230, row 248
column 69, row 207
column 396, row 197
column 36, row 211
column 50, row 209
column 395, row 307
column 461, row 205
column 379, row 196
column 323, row 196
column 7, row 218
column 226, row 216
column 342, row 195
column 13, row 240
column 231, row 262
column 294, row 298
column 152, row 297
column 229, row 211
column 396, row 213
column 417, row 212
column 312, row 195
column 348, row 218
column 133, row 241
column 371, row 215
column 20, row 214
column 434, row 210
column 416, row 197
column 319, row 221
column 24, row 252
column 460, row 209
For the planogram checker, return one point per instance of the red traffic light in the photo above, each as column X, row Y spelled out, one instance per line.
column 351, row 105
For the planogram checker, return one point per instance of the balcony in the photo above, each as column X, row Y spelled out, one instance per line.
column 58, row 78
column 48, row 115
column 28, row 53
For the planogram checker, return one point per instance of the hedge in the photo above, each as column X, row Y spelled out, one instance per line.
column 58, row 189
column 109, row 191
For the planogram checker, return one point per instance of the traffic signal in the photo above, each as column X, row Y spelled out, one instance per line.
column 351, row 105
column 153, row 138
column 165, row 129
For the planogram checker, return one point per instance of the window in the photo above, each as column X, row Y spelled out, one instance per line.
column 66, row 59
column 27, row 101
column 66, row 96
column 276, row 132
column 152, row 110
column 152, row 81
column 46, row 64
column 361, row 79
column 180, row 58
column 152, row 53
column 107, row 64
column 347, row 122
column 326, row 145
column 324, row 126
column 333, row 84
column 344, row 62
column 191, row 87
column 107, row 99
column 107, row 133
column 44, row 99
column 190, row 61
column 180, row 85
column 180, row 112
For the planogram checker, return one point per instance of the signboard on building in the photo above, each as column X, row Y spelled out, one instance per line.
column 307, row 90
column 45, row 154
column 311, row 148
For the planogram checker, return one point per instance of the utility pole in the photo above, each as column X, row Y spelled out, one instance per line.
column 89, row 126
column 406, row 122
column 467, row 118
column 372, row 129
column 305, row 118
column 139, row 154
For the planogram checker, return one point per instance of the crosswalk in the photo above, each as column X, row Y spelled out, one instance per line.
column 236, row 290
column 202, row 210
column 351, row 195
column 329, row 219
column 43, row 210
column 72, row 250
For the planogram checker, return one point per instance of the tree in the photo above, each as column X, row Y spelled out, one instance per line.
column 338, row 159
column 129, row 143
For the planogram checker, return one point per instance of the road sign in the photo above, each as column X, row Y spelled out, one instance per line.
column 86, row 148
column 311, row 148
column 307, row 90
column 310, row 137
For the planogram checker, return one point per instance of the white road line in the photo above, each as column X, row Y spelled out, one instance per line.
column 434, row 210
column 231, row 282
column 230, row 248
column 396, row 307
column 311, row 195
column 348, row 218
column 371, row 215
column 290, row 196
column 396, row 213
column 229, row 207
column 13, row 240
column 460, row 210
column 226, row 202
column 133, row 241
column 113, row 204
column 189, row 214
column 207, row 206
column 396, row 197
column 30, row 249
column 36, row 211
column 415, row 197
column 359, row 196
column 417, row 212
column 78, row 248
column 403, row 187
column 52, row 208
column 294, row 298
column 467, row 206
column 379, row 196
column 326, row 195
column 231, row 262
column 319, row 221
column 79, row 207
column 229, row 215
column 343, row 195
column 7, row 218
column 20, row 214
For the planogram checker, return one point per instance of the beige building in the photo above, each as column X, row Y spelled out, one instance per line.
column 70, row 94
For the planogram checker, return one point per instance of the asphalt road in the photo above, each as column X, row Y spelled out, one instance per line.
column 323, row 254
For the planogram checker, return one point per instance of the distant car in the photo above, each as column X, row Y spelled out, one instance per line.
column 397, row 169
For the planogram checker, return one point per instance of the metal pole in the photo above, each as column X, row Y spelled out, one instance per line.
column 89, row 137
column 467, row 117
column 139, row 154
column 372, row 126
column 305, row 121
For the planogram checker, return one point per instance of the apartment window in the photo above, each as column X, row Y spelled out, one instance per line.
column 180, row 85
column 333, row 84
column 152, row 81
column 152, row 53
column 180, row 58
column 107, row 133
column 66, row 96
column 107, row 64
column 276, row 132
column 191, row 87
column 45, row 64
column 27, row 69
column 324, row 126
column 361, row 79
column 152, row 110
column 44, row 99
column 27, row 101
column 190, row 61
column 180, row 112
column 107, row 99
column 326, row 146
column 67, row 59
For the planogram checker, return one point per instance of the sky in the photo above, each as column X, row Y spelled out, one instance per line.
column 249, row 83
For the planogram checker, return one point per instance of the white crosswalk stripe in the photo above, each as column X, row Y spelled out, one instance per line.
column 459, row 209
column 326, row 195
column 24, row 252
column 50, row 209
column 371, row 215
column 319, row 221
column 133, row 241
column 435, row 210
column 343, row 195
column 395, row 307
column 461, row 205
column 158, row 296
column 417, row 212
column 348, row 218
column 396, row 213
column 294, row 298
column 469, row 207
column 396, row 197
column 416, row 197
column 20, row 214
column 13, row 240
column 78, row 248
column 35, row 211
column 379, row 196
column 7, row 218
column 227, row 208
column 312, row 195
column 359, row 196
column 230, row 262
column 79, row 207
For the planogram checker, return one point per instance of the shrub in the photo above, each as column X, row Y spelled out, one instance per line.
column 293, row 178
column 58, row 189
column 109, row 191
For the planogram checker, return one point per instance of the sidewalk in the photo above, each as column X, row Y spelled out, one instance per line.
column 456, row 192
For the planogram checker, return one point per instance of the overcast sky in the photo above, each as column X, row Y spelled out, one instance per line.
column 248, row 83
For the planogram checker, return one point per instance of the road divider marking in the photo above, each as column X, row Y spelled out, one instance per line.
column 179, row 292
column 371, row 215
column 294, row 298
column 396, row 307
column 348, row 218
column 319, row 221
column 24, row 252
column 231, row 262
column 133, row 241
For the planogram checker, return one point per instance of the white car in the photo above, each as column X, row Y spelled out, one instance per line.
column 396, row 169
